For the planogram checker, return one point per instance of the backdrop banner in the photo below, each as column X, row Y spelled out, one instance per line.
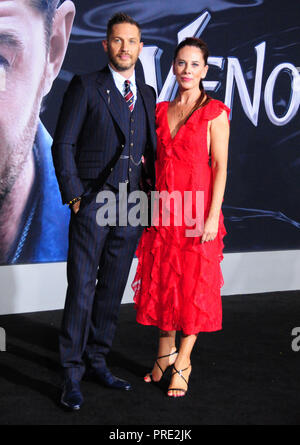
column 253, row 68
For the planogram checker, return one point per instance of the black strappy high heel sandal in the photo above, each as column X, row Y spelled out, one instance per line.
column 162, row 371
column 179, row 372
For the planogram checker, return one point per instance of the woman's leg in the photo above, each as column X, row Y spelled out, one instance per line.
column 166, row 346
column 183, row 361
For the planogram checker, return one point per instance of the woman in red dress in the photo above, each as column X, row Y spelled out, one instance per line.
column 178, row 279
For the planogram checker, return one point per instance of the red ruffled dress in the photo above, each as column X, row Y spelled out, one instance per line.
column 178, row 279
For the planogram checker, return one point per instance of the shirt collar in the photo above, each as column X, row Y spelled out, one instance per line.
column 119, row 79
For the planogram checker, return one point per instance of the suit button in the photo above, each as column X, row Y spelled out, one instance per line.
column 132, row 120
column 130, row 169
column 131, row 145
column 111, row 169
column 122, row 145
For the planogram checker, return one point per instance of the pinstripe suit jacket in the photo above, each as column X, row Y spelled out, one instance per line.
column 90, row 134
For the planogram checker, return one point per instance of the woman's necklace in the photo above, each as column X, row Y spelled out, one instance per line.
column 184, row 109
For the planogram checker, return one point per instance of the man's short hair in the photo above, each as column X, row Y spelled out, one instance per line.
column 119, row 18
column 47, row 8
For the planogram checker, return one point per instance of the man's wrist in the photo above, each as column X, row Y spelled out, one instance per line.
column 71, row 203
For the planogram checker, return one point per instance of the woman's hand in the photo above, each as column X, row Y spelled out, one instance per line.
column 210, row 229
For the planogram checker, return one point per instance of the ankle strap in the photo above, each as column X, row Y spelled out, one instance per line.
column 168, row 355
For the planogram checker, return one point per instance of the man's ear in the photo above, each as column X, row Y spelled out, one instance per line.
column 105, row 45
column 61, row 30
column 141, row 47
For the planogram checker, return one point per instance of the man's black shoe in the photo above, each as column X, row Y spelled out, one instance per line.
column 71, row 397
column 106, row 378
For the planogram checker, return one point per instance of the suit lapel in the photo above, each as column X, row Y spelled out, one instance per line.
column 111, row 96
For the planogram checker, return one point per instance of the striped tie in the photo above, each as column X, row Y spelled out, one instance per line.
column 128, row 95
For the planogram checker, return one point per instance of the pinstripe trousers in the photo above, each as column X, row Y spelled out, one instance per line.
column 99, row 262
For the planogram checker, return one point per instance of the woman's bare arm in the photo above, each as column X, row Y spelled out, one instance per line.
column 219, row 139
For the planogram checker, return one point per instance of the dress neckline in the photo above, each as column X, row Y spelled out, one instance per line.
column 183, row 125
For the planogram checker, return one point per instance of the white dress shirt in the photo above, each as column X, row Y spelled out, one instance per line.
column 120, row 83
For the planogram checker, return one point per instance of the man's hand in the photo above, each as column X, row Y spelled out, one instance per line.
column 75, row 207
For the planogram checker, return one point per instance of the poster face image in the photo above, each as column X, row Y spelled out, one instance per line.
column 253, row 64
column 33, row 42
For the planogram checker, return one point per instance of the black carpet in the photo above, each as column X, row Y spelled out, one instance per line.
column 246, row 374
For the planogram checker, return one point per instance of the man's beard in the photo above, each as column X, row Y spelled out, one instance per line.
column 116, row 64
column 20, row 150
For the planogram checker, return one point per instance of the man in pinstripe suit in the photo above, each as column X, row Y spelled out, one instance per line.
column 105, row 136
